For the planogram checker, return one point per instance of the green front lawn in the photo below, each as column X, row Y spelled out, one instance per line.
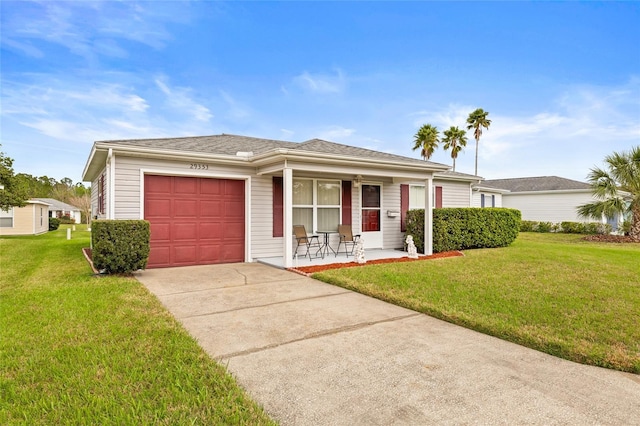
column 79, row 349
column 551, row 292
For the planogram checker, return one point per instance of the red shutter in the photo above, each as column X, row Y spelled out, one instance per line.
column 346, row 202
column 101, row 191
column 278, row 207
column 404, row 206
column 438, row 197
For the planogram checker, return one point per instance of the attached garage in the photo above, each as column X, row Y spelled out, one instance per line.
column 194, row 221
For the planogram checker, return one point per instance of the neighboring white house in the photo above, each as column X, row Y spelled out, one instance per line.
column 59, row 209
column 31, row 219
column 546, row 198
column 228, row 198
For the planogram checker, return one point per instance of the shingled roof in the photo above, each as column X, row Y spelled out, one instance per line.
column 533, row 184
column 232, row 144
column 57, row 205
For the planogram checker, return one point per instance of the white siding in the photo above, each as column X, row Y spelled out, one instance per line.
column 548, row 207
column 393, row 237
column 264, row 244
column 454, row 193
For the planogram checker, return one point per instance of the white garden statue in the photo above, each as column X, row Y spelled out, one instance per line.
column 359, row 251
column 411, row 247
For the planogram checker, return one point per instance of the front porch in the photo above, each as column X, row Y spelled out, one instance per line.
column 301, row 261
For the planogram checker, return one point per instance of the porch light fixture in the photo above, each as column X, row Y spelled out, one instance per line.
column 357, row 181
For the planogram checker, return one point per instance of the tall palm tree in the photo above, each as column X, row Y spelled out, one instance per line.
column 476, row 121
column 616, row 189
column 454, row 139
column 426, row 140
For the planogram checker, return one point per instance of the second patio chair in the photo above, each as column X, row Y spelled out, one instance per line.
column 310, row 241
column 346, row 238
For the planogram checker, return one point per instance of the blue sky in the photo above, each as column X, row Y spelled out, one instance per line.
column 561, row 80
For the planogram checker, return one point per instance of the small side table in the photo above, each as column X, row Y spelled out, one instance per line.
column 326, row 247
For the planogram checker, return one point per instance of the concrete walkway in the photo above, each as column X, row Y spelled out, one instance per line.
column 315, row 354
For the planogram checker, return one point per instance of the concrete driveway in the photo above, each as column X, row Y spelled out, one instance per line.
column 315, row 354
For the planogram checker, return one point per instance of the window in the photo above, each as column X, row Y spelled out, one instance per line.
column 6, row 218
column 317, row 203
column 101, row 194
column 416, row 197
column 483, row 202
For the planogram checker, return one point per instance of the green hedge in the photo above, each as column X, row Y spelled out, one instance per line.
column 53, row 223
column 120, row 246
column 566, row 227
column 465, row 228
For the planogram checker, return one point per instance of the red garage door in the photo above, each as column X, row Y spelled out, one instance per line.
column 194, row 221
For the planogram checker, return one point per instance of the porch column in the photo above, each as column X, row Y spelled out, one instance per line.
column 428, row 216
column 287, row 183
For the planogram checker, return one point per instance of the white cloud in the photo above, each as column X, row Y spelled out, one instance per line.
column 335, row 133
column 179, row 98
column 234, row 109
column 573, row 132
column 52, row 97
column 87, row 29
column 321, row 83
column 286, row 133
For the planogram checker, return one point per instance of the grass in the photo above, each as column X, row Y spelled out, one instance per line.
column 552, row 292
column 83, row 349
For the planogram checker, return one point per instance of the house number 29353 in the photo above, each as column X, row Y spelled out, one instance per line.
column 199, row 166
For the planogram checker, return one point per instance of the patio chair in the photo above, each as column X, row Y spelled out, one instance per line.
column 346, row 238
column 310, row 241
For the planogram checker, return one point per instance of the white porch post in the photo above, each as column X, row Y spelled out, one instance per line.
column 287, row 183
column 428, row 216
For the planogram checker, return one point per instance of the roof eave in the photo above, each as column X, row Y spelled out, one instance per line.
column 91, row 170
column 324, row 158
column 457, row 177
column 490, row 189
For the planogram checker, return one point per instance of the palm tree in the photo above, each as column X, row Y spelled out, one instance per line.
column 616, row 189
column 454, row 139
column 426, row 139
column 476, row 121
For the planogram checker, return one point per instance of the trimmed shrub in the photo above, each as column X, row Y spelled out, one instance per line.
column 66, row 219
column 465, row 228
column 120, row 246
column 545, row 227
column 53, row 223
column 566, row 227
column 573, row 227
column 597, row 228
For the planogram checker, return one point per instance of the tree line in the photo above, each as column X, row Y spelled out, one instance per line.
column 17, row 189
column 427, row 138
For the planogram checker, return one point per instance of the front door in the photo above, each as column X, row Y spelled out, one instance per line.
column 371, row 213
